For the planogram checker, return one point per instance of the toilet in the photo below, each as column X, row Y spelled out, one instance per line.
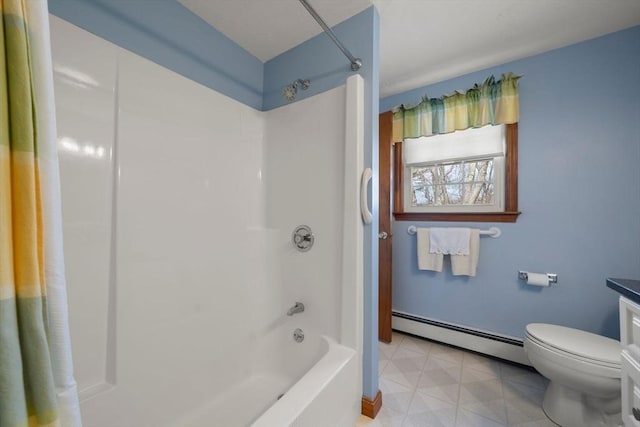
column 583, row 370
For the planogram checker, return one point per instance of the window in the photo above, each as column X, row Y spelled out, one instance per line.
column 468, row 175
column 455, row 172
column 455, row 186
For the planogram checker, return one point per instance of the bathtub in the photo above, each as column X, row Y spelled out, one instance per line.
column 324, row 393
column 311, row 383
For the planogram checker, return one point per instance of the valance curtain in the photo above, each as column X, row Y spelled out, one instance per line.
column 37, row 388
column 492, row 102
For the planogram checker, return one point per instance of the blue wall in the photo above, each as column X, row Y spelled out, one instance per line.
column 579, row 193
column 169, row 34
column 320, row 61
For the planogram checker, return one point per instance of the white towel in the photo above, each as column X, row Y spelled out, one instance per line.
column 426, row 259
column 450, row 240
column 466, row 265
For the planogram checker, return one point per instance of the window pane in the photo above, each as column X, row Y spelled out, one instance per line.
column 464, row 183
column 454, row 194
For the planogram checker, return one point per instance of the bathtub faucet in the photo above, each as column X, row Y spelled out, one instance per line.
column 297, row 308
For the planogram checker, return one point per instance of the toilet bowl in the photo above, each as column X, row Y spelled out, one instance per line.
column 583, row 370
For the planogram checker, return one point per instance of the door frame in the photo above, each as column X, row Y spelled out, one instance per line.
column 385, row 146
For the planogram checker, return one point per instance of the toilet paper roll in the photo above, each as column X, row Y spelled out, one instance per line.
column 537, row 279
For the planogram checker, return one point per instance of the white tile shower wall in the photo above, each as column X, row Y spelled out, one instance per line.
column 304, row 178
column 85, row 108
column 189, row 232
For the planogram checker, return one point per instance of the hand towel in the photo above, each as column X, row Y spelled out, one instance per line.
column 466, row 265
column 426, row 259
column 450, row 240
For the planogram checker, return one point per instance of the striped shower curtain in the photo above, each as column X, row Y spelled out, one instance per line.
column 36, row 376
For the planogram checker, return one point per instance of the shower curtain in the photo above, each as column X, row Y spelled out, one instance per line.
column 36, row 376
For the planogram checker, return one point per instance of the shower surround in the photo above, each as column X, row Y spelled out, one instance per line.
column 178, row 207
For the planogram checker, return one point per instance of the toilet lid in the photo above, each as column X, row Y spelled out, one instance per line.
column 580, row 343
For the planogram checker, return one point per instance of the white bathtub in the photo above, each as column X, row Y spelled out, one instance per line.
column 323, row 396
column 311, row 383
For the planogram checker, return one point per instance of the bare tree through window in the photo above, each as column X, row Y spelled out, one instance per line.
column 465, row 183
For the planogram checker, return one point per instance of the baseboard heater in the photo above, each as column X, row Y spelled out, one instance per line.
column 501, row 346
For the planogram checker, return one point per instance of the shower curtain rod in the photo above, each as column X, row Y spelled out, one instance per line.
column 356, row 63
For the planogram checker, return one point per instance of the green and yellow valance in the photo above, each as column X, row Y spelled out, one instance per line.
column 492, row 102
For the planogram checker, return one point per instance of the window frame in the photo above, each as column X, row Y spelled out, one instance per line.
column 510, row 212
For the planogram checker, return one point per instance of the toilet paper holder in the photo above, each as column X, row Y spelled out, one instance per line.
column 524, row 275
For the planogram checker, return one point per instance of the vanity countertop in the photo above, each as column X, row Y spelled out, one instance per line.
column 628, row 288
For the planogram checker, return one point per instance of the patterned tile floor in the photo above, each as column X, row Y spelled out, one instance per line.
column 427, row 384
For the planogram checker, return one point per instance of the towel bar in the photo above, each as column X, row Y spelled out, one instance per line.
column 491, row 232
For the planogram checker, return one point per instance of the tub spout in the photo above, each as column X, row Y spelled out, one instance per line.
column 297, row 308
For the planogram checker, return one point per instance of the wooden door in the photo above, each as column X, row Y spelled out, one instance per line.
column 384, row 230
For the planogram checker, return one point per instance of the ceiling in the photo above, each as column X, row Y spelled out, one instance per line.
column 425, row 41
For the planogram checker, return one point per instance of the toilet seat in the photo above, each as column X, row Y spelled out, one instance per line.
column 576, row 345
column 573, row 362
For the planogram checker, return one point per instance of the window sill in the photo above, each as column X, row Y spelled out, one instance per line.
column 457, row 216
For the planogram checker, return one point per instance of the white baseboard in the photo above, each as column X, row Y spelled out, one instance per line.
column 512, row 350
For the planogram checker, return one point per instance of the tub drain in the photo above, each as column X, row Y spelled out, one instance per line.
column 298, row 335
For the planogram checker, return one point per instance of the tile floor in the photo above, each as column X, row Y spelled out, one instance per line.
column 427, row 384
